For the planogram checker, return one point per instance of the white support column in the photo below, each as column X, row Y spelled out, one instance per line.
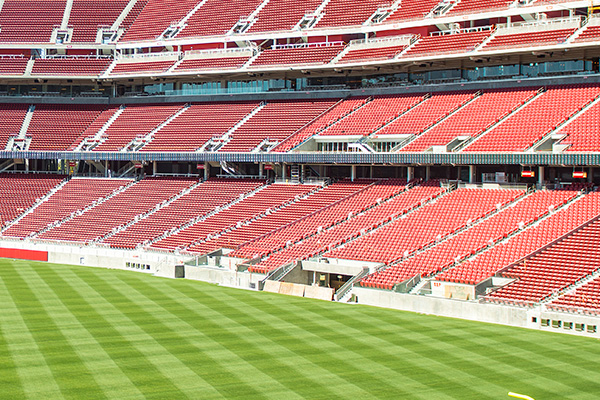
column 540, row 176
column 261, row 170
column 284, row 171
column 154, row 167
column 427, row 172
column 206, row 170
column 353, row 173
column 472, row 174
column 302, row 173
column 410, row 173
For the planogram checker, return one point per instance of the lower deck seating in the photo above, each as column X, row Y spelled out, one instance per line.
column 474, row 238
column 120, row 209
column 70, row 66
column 428, row 224
column 558, row 224
column 13, row 65
column 584, row 299
column 20, row 192
column 74, row 196
column 201, row 200
column 297, row 56
column 12, row 116
column 554, row 268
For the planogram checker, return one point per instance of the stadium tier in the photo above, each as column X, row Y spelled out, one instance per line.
column 360, row 151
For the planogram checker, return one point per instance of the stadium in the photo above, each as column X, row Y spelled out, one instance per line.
column 437, row 157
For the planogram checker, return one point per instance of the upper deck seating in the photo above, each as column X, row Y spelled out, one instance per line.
column 222, row 14
column 459, row 42
column 317, row 54
column 282, row 15
column 30, row 21
column 347, row 12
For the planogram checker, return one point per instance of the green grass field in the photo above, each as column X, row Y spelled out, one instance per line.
column 90, row 333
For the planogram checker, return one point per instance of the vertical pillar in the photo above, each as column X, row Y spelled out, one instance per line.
column 427, row 172
column 261, row 170
column 284, row 171
column 590, row 177
column 410, row 173
column 154, row 167
column 540, row 176
column 353, row 173
column 472, row 174
column 302, row 173
column 206, row 170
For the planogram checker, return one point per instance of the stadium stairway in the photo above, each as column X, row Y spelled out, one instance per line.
column 146, row 214
column 540, row 144
column 216, row 143
column 474, row 138
column 303, row 135
column 256, row 217
column 435, row 123
column 35, row 205
column 447, row 273
column 139, row 142
column 85, row 142
column 346, row 237
column 148, row 244
column 83, row 210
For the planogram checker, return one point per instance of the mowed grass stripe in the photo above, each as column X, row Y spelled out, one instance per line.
column 156, row 371
column 190, row 344
column 240, row 344
column 25, row 373
column 284, row 370
column 258, row 340
column 140, row 379
column 374, row 355
column 62, row 304
column 49, row 334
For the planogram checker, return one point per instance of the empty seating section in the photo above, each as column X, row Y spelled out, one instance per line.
column 75, row 195
column 265, row 201
column 526, row 242
column 20, row 192
column 13, row 65
column 583, row 299
column 30, row 21
column 472, row 6
column 591, row 33
column 347, row 13
column 583, row 133
column 297, row 55
column 56, row 127
column 216, row 63
column 135, row 121
column 70, row 66
column 198, row 124
column 217, row 17
column 266, row 224
column 157, row 16
column 447, row 43
column 307, row 216
column 376, row 113
column 372, row 54
column 472, row 119
column 337, row 112
column 120, row 209
column 524, row 39
column 141, row 67
column 201, row 200
column 94, row 127
column 426, row 113
column 12, row 116
column 412, row 9
column 470, row 240
column 355, row 224
column 241, row 222
column 429, row 224
column 89, row 15
column 274, row 123
column 554, row 268
column 536, row 119
column 282, row 15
